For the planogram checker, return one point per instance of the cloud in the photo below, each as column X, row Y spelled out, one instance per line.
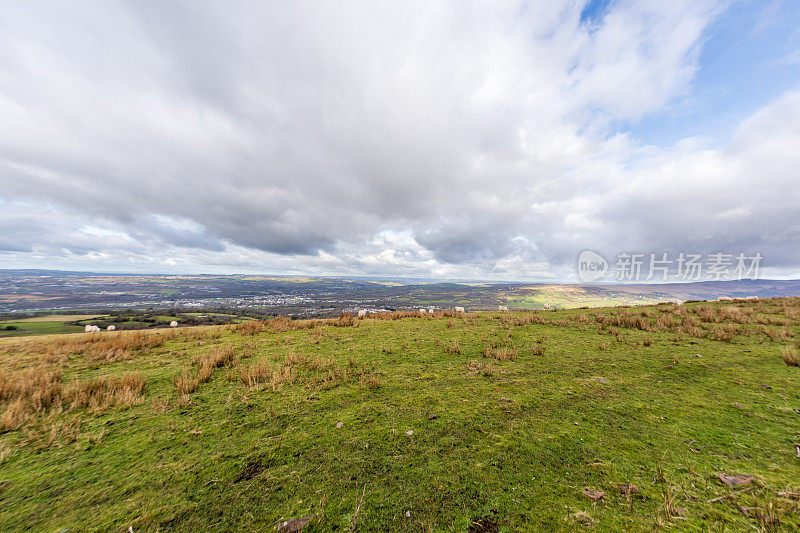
column 418, row 138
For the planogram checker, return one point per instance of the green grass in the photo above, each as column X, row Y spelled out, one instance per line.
column 514, row 442
column 571, row 297
column 37, row 328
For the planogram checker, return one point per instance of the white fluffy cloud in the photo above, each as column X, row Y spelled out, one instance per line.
column 415, row 138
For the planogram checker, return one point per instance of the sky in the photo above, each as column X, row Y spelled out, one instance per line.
column 453, row 140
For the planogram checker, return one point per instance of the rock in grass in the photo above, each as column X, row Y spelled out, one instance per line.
column 735, row 481
column 594, row 494
column 431, row 417
column 294, row 525
column 628, row 488
column 584, row 519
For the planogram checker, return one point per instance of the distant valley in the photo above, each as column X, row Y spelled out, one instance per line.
column 33, row 291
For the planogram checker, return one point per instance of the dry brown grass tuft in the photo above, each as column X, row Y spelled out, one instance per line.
column 395, row 315
column 669, row 508
column 15, row 416
column 104, row 392
column 344, row 320
column 665, row 322
column 369, row 380
column 719, row 334
column 453, row 348
column 523, row 320
column 790, row 356
column 262, row 373
column 501, row 354
column 538, row 349
column 217, row 358
column 38, row 388
column 107, row 347
column 251, row 327
column 186, row 383
column 624, row 320
column 480, row 367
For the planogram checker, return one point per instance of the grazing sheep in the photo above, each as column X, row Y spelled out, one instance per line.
column 362, row 313
column 112, row 327
column 430, row 310
column 752, row 298
column 547, row 306
column 459, row 310
column 724, row 299
column 173, row 324
column 502, row 308
column 422, row 310
column 91, row 329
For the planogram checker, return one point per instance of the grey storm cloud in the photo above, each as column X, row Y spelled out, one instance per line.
column 369, row 137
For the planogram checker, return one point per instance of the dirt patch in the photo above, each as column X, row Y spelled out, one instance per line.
column 251, row 470
column 735, row 481
column 485, row 524
column 294, row 525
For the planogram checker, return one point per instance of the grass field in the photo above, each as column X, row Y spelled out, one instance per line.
column 43, row 325
column 612, row 419
column 37, row 328
column 58, row 318
column 570, row 297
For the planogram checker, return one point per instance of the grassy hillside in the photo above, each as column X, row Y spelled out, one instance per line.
column 21, row 328
column 619, row 418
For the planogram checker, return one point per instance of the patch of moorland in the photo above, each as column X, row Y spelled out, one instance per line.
column 623, row 418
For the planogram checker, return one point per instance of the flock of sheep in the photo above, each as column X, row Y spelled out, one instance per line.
column 96, row 329
column 362, row 313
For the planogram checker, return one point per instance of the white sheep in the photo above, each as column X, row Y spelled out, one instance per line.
column 430, row 310
column 112, row 327
column 547, row 305
column 502, row 308
column 173, row 324
column 459, row 310
column 362, row 313
column 91, row 329
column 724, row 299
column 422, row 310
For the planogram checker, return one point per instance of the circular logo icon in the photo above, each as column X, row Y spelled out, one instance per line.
column 591, row 266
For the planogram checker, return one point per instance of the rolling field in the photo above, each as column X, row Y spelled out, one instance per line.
column 43, row 325
column 571, row 297
column 36, row 328
column 605, row 419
